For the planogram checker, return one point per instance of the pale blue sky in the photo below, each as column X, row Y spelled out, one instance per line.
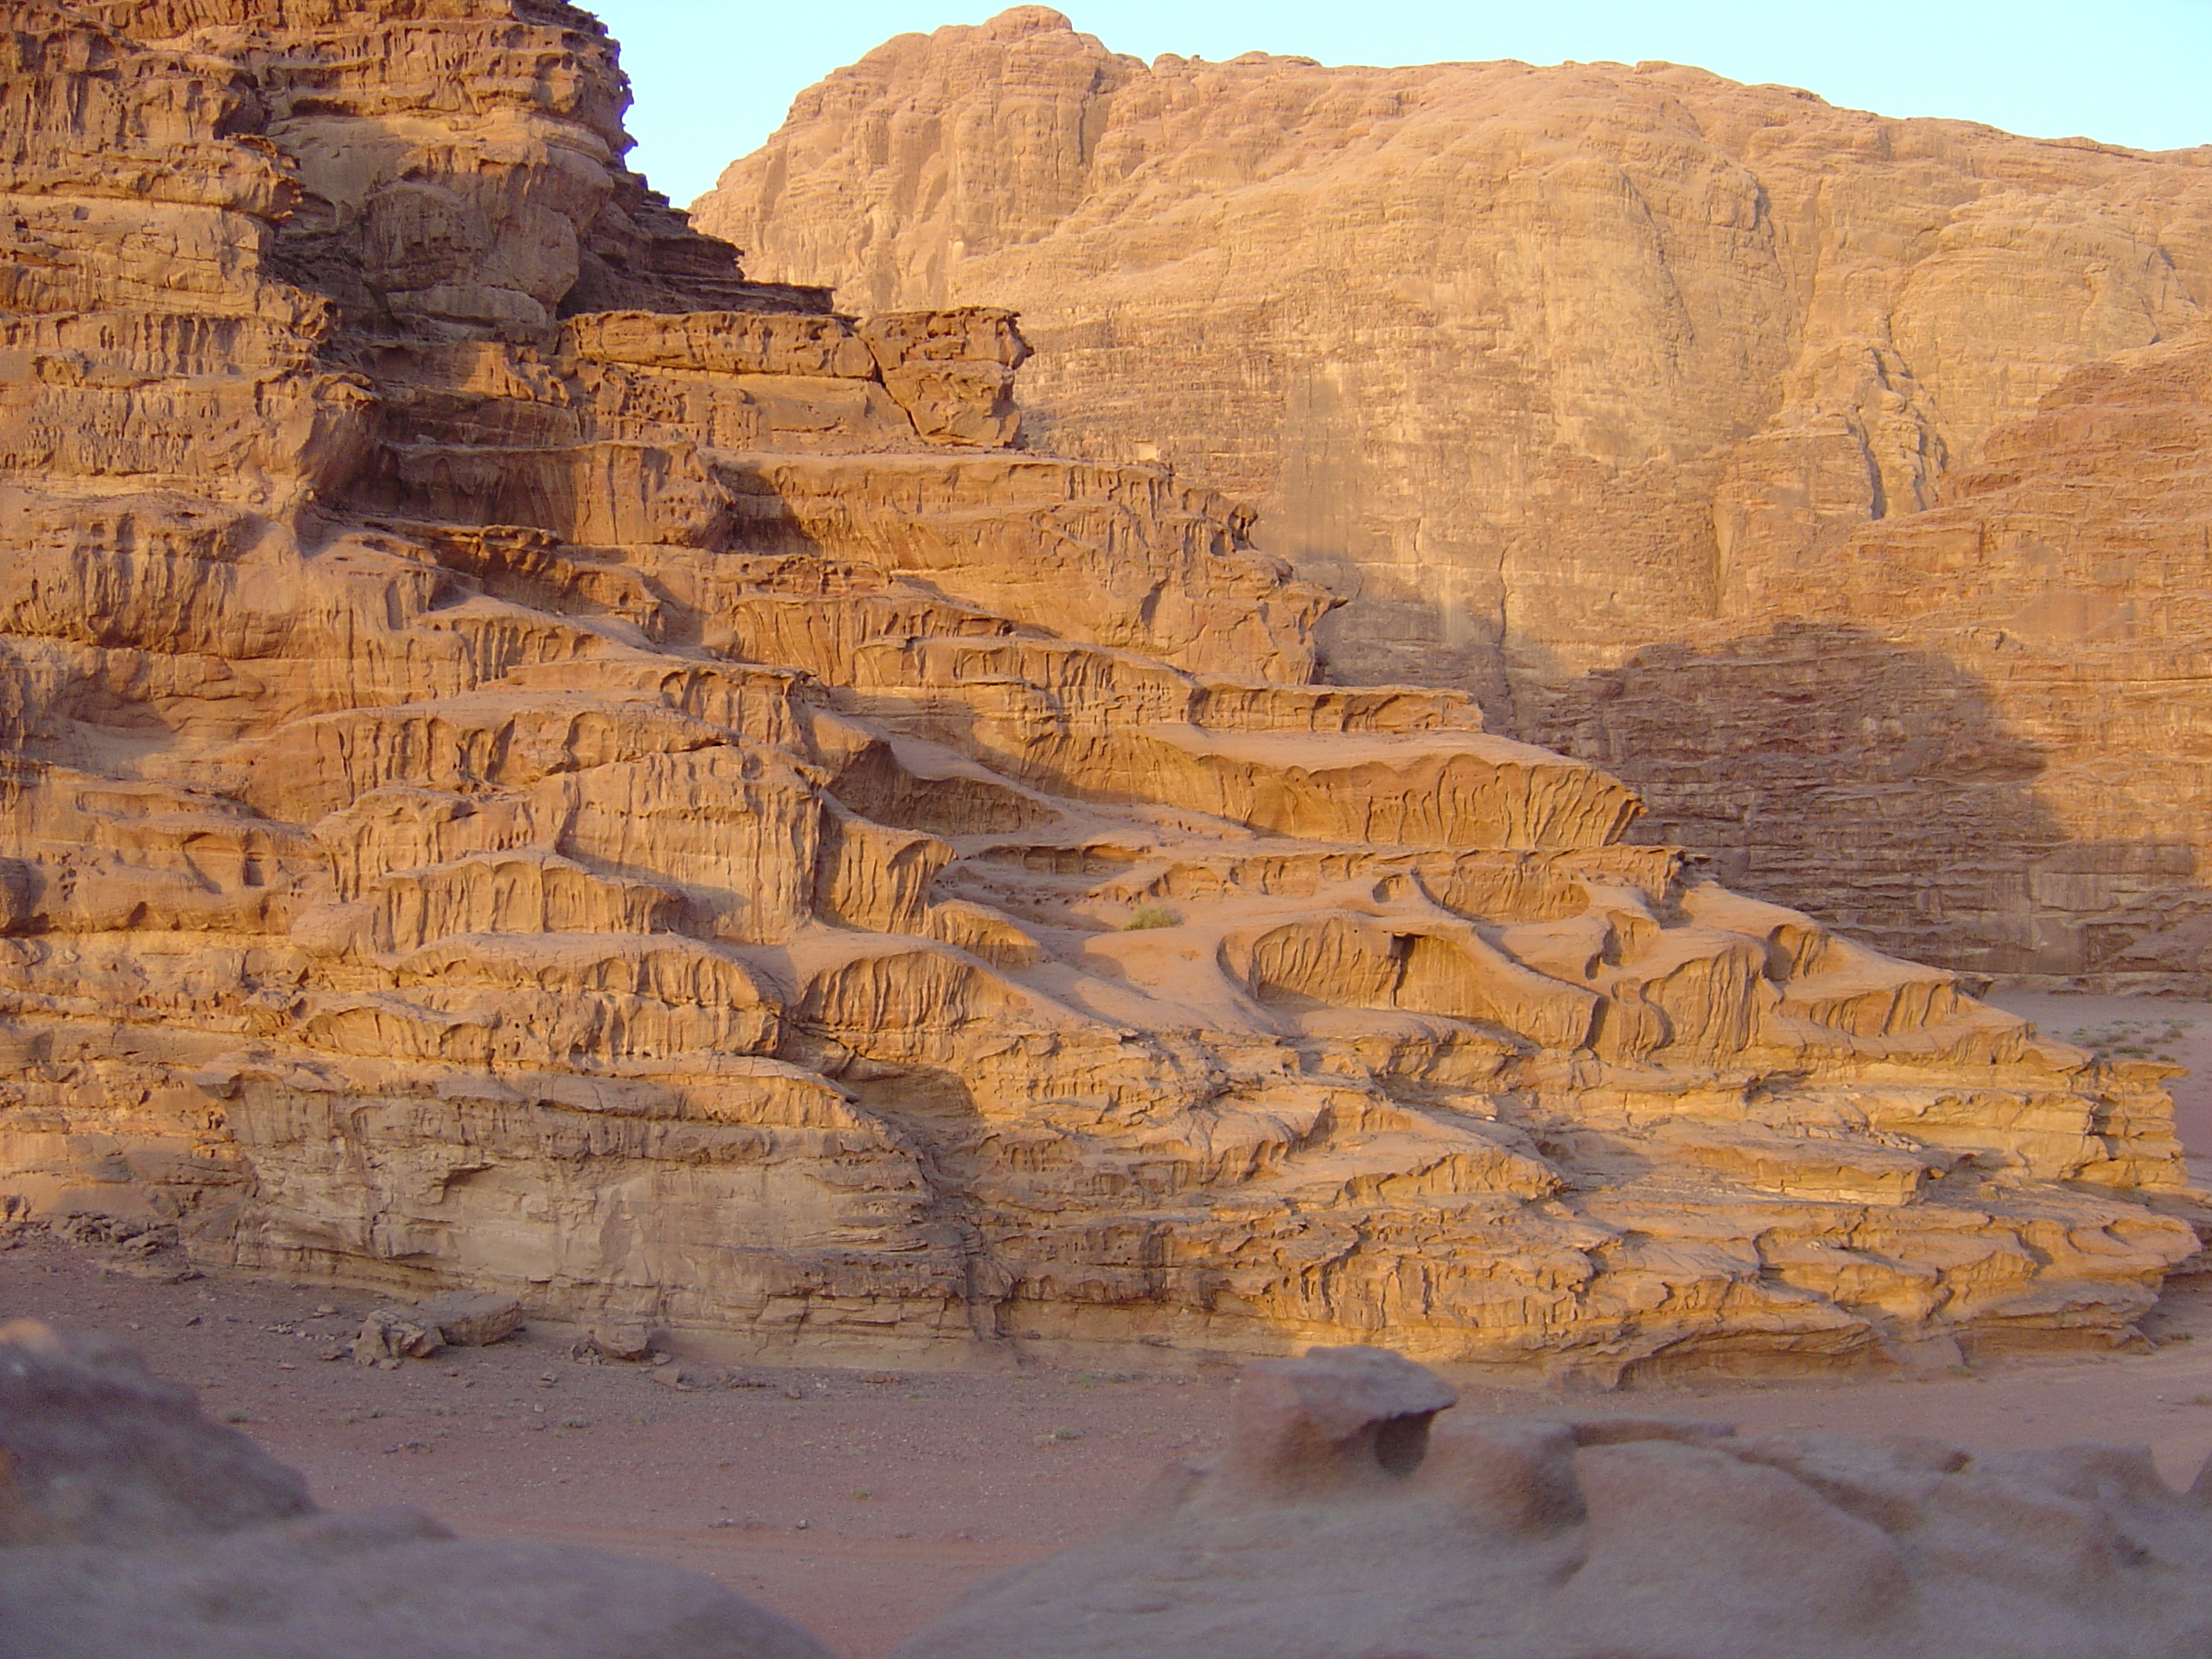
column 714, row 76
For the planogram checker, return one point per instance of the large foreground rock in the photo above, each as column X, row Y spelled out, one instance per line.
column 132, row 1527
column 533, row 763
column 1622, row 396
column 1339, row 1526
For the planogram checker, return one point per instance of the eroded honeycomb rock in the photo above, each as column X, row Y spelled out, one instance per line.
column 534, row 764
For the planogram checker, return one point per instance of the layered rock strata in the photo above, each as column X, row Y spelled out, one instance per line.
column 537, row 764
column 1983, row 733
column 1352, row 1513
column 1592, row 386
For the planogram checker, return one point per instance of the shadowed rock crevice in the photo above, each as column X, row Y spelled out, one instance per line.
column 1832, row 768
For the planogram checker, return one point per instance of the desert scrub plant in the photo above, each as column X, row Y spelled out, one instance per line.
column 1152, row 915
column 2133, row 1039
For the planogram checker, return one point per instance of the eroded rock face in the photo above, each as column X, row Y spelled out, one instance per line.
column 1992, row 706
column 1339, row 1525
column 1590, row 386
column 129, row 1524
column 578, row 776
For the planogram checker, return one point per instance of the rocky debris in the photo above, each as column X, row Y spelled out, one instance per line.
column 528, row 768
column 1621, row 396
column 129, row 1524
column 459, row 1319
column 389, row 1335
column 1331, row 1529
column 471, row 1320
column 121, row 1237
column 631, row 1343
column 133, row 1248
column 689, row 1379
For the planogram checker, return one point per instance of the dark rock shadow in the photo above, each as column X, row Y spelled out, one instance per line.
column 1879, row 788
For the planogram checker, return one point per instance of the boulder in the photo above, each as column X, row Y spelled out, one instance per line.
column 1330, row 1530
column 129, row 1525
column 471, row 1320
column 616, row 1339
column 389, row 1335
column 98, row 1452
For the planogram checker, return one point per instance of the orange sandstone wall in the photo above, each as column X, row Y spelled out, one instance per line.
column 1573, row 380
column 531, row 760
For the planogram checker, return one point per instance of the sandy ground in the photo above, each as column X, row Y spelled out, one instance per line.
column 861, row 1503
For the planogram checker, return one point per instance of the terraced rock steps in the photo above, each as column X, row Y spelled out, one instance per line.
column 598, row 783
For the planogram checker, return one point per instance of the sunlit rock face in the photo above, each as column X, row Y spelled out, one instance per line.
column 534, row 761
column 1630, row 400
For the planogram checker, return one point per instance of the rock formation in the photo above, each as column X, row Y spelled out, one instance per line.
column 536, row 763
column 1593, row 388
column 131, row 1525
column 1984, row 731
column 1338, row 1524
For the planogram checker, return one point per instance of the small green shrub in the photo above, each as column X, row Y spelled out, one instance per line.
column 1152, row 915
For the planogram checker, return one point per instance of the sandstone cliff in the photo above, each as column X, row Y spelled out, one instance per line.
column 1581, row 380
column 534, row 761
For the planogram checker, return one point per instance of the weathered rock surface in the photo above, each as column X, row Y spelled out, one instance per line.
column 1337, row 1525
column 473, row 1321
column 1592, row 385
column 1984, row 733
column 535, row 764
column 97, row 1452
column 389, row 1335
column 131, row 1525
